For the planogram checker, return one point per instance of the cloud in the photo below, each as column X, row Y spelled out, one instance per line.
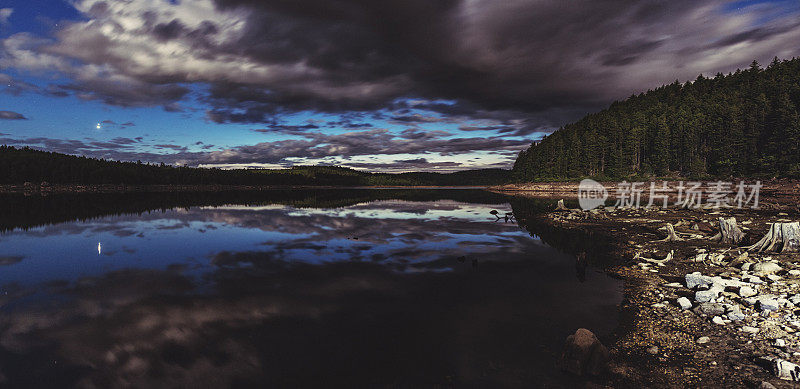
column 540, row 62
column 267, row 316
column 5, row 13
column 10, row 115
column 418, row 119
column 369, row 142
column 404, row 165
column 119, row 148
column 311, row 145
column 110, row 123
column 287, row 129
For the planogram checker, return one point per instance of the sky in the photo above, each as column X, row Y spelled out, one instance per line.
column 392, row 85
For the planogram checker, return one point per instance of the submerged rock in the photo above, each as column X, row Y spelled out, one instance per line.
column 583, row 354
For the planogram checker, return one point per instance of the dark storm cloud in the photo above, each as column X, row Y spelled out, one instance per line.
column 10, row 115
column 348, row 124
column 546, row 61
column 417, row 118
column 288, row 130
column 415, row 134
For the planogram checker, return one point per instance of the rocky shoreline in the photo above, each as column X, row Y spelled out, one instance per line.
column 698, row 312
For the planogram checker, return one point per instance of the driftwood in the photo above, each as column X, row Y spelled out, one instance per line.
column 671, row 235
column 781, row 237
column 659, row 262
column 740, row 260
column 729, row 232
column 560, row 206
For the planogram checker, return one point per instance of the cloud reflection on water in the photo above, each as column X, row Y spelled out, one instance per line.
column 298, row 301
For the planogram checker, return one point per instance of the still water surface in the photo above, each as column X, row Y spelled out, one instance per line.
column 293, row 289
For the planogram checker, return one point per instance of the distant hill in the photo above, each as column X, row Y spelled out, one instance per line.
column 20, row 165
column 746, row 123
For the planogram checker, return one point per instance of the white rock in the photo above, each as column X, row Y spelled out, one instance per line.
column 735, row 313
column 704, row 296
column 764, row 268
column 746, row 291
column 684, row 303
column 750, row 301
column 780, row 343
column 748, row 329
column 785, row 370
column 768, row 304
column 718, row 320
column 695, row 279
column 794, row 272
column 703, row 340
column 752, row 279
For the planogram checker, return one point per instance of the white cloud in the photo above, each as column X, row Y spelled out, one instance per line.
column 5, row 13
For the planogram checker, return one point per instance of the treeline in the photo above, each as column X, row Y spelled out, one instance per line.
column 746, row 123
column 21, row 165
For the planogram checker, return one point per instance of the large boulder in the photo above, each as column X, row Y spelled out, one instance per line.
column 584, row 354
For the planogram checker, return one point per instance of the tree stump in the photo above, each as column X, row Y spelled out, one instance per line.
column 560, row 206
column 781, row 237
column 671, row 235
column 729, row 232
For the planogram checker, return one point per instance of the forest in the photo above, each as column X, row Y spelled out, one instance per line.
column 21, row 165
column 743, row 124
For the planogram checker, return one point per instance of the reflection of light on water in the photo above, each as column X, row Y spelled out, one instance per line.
column 99, row 248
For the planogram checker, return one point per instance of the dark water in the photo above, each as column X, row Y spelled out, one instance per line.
column 360, row 288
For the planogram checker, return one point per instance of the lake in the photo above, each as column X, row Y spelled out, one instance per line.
column 292, row 288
